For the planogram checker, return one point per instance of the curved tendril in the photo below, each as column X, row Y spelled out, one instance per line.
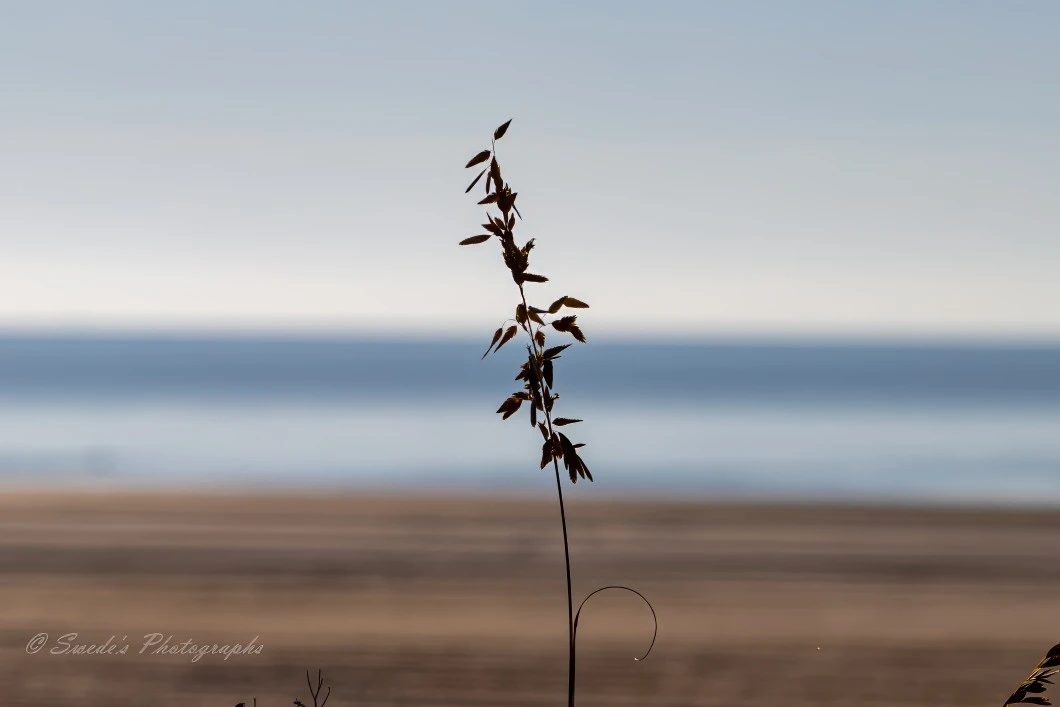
column 654, row 618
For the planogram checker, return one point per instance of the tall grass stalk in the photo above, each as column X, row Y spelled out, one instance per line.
column 537, row 370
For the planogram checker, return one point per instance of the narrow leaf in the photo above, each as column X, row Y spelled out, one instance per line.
column 584, row 469
column 508, row 336
column 496, row 337
column 560, row 421
column 476, row 239
column 474, row 182
column 499, row 132
column 530, row 277
column 554, row 351
column 568, row 448
column 566, row 301
column 564, row 323
column 478, row 159
column 509, row 407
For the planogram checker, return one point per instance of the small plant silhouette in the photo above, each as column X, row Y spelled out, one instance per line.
column 1030, row 690
column 538, row 370
column 314, row 693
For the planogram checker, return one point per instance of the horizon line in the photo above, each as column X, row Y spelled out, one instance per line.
column 761, row 337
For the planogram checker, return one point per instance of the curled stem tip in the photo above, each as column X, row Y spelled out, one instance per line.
column 654, row 618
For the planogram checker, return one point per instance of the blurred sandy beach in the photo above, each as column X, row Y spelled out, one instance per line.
column 432, row 600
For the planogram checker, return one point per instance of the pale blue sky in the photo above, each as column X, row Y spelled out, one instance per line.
column 750, row 167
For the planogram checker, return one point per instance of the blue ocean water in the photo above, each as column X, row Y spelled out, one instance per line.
column 865, row 421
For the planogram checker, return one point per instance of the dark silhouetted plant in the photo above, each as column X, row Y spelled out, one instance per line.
column 537, row 370
column 314, row 693
column 1030, row 690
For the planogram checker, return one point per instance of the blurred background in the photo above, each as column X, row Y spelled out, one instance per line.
column 240, row 380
